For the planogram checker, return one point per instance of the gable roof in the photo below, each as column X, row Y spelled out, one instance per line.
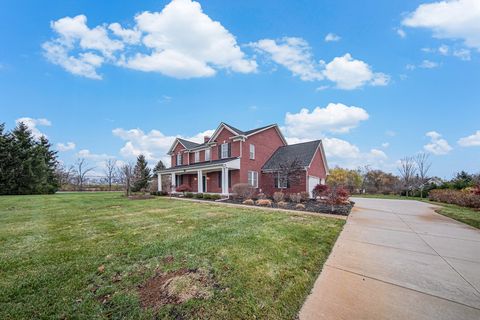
column 247, row 133
column 188, row 144
column 303, row 152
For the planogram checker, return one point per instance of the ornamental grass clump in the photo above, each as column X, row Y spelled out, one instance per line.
column 278, row 196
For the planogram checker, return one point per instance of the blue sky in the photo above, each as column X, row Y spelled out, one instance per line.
column 110, row 79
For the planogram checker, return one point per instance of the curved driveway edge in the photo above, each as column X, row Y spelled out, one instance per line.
column 398, row 259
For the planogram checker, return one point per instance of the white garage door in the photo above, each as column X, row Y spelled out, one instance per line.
column 312, row 182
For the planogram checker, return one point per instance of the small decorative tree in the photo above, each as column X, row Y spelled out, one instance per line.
column 184, row 188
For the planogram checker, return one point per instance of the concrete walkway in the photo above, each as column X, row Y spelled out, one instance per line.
column 398, row 259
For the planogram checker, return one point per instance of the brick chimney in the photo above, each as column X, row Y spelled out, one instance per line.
column 205, row 139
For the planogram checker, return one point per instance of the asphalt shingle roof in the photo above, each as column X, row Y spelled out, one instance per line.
column 198, row 164
column 188, row 144
column 304, row 152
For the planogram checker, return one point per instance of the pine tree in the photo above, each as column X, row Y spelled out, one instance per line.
column 23, row 152
column 7, row 168
column 141, row 174
column 159, row 167
column 49, row 164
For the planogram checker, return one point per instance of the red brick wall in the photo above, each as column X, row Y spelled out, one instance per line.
column 268, row 185
column 178, row 149
column 317, row 167
column 266, row 143
column 223, row 137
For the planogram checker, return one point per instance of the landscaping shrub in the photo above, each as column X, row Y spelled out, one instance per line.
column 199, row 195
column 243, row 190
column 264, row 203
column 215, row 196
column 207, row 196
column 250, row 202
column 278, row 196
column 461, row 198
column 476, row 190
column 261, row 195
column 305, row 195
column 184, row 188
column 296, row 197
column 319, row 190
column 282, row 204
column 300, row 206
column 188, row 195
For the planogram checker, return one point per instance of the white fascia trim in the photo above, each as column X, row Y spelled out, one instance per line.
column 219, row 129
column 175, row 143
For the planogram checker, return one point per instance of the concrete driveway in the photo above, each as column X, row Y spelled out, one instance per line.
column 398, row 259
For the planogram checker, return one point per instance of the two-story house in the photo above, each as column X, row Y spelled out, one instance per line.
column 256, row 157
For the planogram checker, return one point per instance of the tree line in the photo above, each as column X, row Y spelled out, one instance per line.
column 27, row 164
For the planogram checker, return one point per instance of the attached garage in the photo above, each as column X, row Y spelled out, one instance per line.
column 312, row 182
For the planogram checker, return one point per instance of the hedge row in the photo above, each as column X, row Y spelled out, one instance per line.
column 461, row 198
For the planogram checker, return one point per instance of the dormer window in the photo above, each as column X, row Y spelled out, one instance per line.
column 179, row 159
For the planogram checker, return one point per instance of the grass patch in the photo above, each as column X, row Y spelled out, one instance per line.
column 89, row 256
column 466, row 215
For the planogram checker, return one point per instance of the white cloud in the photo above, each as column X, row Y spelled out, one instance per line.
column 343, row 153
column 96, row 157
column 437, row 145
column 385, row 145
column 463, row 54
column 390, row 133
column 335, row 117
column 349, row 73
column 454, row 19
column 427, row 64
column 401, row 33
column 444, row 49
column 153, row 145
column 332, row 37
column 294, row 54
column 66, row 146
column 470, row 141
column 32, row 124
column 180, row 41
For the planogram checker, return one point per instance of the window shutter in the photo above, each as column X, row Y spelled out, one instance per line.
column 219, row 147
column 276, row 181
column 288, row 182
column 229, row 150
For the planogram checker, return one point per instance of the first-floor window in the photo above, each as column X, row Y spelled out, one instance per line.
column 253, row 178
column 179, row 159
column 281, row 181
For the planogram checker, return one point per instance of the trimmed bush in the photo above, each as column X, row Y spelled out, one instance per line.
column 305, row 195
column 300, row 206
column 207, row 196
column 243, row 190
column 199, row 195
column 250, row 202
column 188, row 195
column 282, row 204
column 278, row 196
column 264, row 203
column 184, row 188
column 319, row 190
column 461, row 198
column 215, row 197
column 295, row 197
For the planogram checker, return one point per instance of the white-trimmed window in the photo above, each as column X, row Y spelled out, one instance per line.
column 179, row 159
column 253, row 178
column 207, row 155
column 281, row 181
column 252, row 152
column 224, row 153
column 197, row 156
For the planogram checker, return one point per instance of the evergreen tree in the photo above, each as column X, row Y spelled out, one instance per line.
column 141, row 174
column 7, row 167
column 49, row 164
column 159, row 167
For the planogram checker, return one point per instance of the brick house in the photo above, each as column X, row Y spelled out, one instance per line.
column 232, row 156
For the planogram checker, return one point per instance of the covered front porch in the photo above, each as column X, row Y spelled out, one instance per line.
column 207, row 177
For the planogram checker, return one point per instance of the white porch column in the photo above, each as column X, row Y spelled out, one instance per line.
column 200, row 181
column 159, row 177
column 225, row 181
column 173, row 182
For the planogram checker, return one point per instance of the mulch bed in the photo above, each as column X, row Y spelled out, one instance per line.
column 310, row 206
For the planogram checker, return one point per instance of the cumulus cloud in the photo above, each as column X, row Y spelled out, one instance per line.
column 349, row 73
column 444, row 50
column 332, row 37
column 65, row 146
column 181, row 41
column 294, row 54
column 454, row 19
column 335, row 117
column 470, row 141
column 33, row 125
column 345, row 154
column 153, row 145
column 437, row 145
column 427, row 64
column 96, row 157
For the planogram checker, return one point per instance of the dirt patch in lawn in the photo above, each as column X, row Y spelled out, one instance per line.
column 176, row 287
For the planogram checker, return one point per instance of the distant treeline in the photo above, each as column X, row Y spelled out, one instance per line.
column 27, row 164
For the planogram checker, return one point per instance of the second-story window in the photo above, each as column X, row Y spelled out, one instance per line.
column 179, row 159
column 224, row 153
column 207, row 155
column 252, row 151
column 197, row 156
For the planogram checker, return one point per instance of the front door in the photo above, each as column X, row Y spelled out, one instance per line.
column 204, row 183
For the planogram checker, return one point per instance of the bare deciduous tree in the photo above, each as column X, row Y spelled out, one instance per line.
column 407, row 171
column 289, row 172
column 110, row 172
column 423, row 166
column 126, row 175
column 65, row 175
column 81, row 170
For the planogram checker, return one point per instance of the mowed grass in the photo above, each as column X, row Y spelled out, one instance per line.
column 263, row 263
column 466, row 215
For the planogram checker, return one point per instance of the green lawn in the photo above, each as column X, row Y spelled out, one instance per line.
column 263, row 264
column 463, row 214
